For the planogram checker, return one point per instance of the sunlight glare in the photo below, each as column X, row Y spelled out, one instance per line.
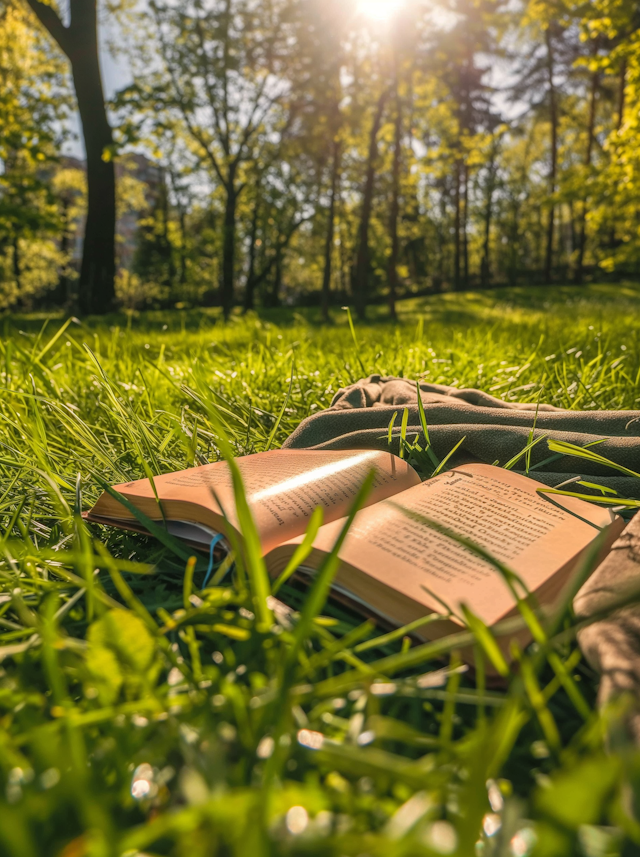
column 380, row 10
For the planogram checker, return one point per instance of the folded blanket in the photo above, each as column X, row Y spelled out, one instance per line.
column 493, row 430
column 496, row 431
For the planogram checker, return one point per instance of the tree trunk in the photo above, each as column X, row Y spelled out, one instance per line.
column 395, row 205
column 229, row 248
column 514, row 236
column 361, row 272
column 441, row 241
column 182, row 277
column 17, row 265
column 485, row 265
column 456, row 231
column 328, row 245
column 344, row 261
column 97, row 272
column 251, row 274
column 465, row 237
column 553, row 119
column 63, row 278
column 561, row 235
column 168, row 247
column 582, row 231
column 622, row 88
column 277, row 278
column 79, row 42
column 573, row 230
column 282, row 243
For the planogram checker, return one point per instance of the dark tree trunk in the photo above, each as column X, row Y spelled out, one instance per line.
column 573, row 235
column 79, row 42
column 251, row 273
column 17, row 265
column 344, row 261
column 229, row 248
column 182, row 277
column 168, row 248
column 328, row 245
column 395, row 206
column 62, row 289
column 441, row 243
column 622, row 88
column 465, row 237
column 582, row 230
column 561, row 238
column 277, row 278
column 97, row 272
column 361, row 271
column 276, row 262
column 485, row 265
column 513, row 245
column 553, row 119
column 456, row 230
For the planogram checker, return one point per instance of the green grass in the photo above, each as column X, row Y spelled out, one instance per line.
column 140, row 715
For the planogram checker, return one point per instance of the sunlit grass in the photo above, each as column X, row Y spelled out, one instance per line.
column 187, row 722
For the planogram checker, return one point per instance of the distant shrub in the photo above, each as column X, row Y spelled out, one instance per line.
column 40, row 265
column 132, row 293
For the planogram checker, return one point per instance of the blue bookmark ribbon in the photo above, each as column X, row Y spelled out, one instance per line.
column 214, row 541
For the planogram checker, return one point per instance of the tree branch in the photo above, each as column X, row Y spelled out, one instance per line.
column 52, row 23
column 179, row 101
column 282, row 242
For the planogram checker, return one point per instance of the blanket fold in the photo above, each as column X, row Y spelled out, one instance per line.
column 493, row 430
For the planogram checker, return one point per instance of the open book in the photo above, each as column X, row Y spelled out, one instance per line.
column 393, row 564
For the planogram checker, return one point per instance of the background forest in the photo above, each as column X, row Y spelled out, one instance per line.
column 315, row 151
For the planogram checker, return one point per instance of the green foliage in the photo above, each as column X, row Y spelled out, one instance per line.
column 142, row 714
column 34, row 105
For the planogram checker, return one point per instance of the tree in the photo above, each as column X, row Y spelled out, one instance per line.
column 284, row 200
column 336, row 151
column 490, row 185
column 153, row 260
column 403, row 47
column 594, row 86
column 225, row 73
column 544, row 74
column 553, row 169
column 79, row 43
column 470, row 107
column 361, row 268
column 324, row 40
column 612, row 28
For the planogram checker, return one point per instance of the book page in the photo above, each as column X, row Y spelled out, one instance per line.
column 498, row 510
column 283, row 488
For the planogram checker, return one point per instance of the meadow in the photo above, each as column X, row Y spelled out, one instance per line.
column 143, row 715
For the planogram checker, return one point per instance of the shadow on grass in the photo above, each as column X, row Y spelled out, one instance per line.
column 449, row 308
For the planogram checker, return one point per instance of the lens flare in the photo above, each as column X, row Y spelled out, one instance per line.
column 379, row 10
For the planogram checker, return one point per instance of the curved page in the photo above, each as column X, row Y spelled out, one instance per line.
column 403, row 568
column 283, row 488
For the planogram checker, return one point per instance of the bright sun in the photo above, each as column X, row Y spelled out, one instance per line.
column 379, row 10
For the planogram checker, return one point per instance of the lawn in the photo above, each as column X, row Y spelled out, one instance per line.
column 141, row 715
